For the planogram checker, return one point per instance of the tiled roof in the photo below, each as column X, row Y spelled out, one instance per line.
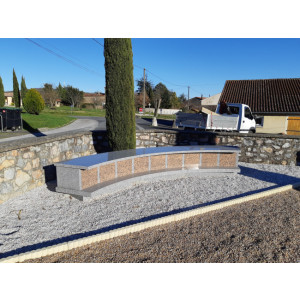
column 265, row 95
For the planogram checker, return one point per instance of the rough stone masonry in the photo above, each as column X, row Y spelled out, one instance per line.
column 29, row 163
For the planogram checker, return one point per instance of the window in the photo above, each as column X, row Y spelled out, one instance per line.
column 248, row 113
column 235, row 110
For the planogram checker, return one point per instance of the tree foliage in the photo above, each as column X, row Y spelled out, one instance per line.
column 164, row 94
column 33, row 102
column 23, row 88
column 174, row 101
column 148, row 89
column 120, row 112
column 16, row 91
column 182, row 98
column 72, row 96
column 49, row 94
column 60, row 91
column 2, row 97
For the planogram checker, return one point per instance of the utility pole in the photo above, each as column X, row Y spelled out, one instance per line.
column 144, row 96
column 188, row 97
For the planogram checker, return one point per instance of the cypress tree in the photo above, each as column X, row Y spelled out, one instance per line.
column 2, row 97
column 120, row 111
column 16, row 96
column 23, row 88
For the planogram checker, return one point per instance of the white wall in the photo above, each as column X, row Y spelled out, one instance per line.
column 163, row 111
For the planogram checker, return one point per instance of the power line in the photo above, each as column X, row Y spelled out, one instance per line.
column 65, row 58
column 103, row 47
column 97, row 42
column 43, row 41
column 166, row 81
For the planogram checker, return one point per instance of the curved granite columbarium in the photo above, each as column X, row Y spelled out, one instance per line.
column 93, row 175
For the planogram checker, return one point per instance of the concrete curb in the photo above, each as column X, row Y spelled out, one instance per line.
column 141, row 226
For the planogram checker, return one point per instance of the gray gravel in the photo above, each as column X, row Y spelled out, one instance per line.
column 42, row 217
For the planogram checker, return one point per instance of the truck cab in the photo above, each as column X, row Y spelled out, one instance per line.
column 246, row 121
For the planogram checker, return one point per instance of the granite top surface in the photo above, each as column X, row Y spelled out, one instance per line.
column 86, row 162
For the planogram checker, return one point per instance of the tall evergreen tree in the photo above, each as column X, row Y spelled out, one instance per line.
column 2, row 97
column 120, row 112
column 16, row 96
column 23, row 88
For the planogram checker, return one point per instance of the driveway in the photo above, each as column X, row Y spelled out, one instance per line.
column 81, row 123
column 89, row 124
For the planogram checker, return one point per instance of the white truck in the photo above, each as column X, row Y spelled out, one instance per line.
column 238, row 117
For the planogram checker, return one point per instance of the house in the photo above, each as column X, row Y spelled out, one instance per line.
column 57, row 102
column 211, row 102
column 275, row 102
column 93, row 100
column 193, row 103
column 8, row 98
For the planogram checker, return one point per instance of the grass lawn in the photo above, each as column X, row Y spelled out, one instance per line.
column 68, row 111
column 51, row 118
column 45, row 120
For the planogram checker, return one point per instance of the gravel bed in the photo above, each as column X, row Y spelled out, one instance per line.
column 42, row 217
column 264, row 230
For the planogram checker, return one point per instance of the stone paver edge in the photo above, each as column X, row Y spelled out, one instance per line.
column 141, row 226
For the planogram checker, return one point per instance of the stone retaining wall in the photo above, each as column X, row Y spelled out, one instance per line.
column 26, row 164
column 255, row 148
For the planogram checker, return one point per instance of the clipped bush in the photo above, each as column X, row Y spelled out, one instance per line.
column 33, row 102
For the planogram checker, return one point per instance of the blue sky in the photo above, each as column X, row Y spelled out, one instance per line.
column 201, row 63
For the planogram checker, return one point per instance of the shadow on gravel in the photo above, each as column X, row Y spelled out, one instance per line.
column 277, row 179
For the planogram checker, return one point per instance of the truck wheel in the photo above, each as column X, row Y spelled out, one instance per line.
column 252, row 130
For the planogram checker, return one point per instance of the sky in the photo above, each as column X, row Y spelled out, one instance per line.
column 204, row 64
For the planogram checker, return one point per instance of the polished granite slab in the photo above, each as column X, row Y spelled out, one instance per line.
column 87, row 162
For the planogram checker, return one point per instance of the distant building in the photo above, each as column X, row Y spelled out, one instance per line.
column 57, row 102
column 8, row 98
column 93, row 100
column 275, row 101
column 193, row 103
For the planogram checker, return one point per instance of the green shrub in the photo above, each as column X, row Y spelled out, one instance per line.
column 88, row 106
column 33, row 102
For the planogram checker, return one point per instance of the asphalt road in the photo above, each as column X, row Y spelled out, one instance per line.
column 90, row 124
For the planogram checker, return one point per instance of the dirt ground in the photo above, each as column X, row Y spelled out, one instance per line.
column 264, row 230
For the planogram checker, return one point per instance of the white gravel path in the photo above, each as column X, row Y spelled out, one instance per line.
column 42, row 217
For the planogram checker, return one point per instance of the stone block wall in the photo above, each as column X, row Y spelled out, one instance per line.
column 27, row 164
column 255, row 148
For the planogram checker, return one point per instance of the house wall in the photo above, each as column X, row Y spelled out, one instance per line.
column 8, row 101
column 28, row 163
column 273, row 124
column 98, row 101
